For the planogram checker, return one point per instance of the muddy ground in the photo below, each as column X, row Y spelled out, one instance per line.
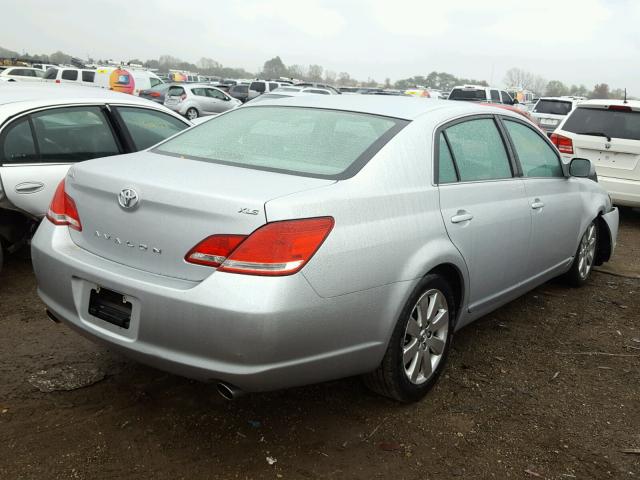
column 546, row 387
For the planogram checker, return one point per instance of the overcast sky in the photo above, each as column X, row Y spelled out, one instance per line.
column 575, row 41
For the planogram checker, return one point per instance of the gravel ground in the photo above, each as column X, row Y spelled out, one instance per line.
column 545, row 387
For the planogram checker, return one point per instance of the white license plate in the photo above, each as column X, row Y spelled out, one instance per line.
column 548, row 121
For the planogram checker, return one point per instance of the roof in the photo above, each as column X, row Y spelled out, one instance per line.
column 407, row 108
column 16, row 97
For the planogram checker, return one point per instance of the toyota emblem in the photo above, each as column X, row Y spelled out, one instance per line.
column 128, row 198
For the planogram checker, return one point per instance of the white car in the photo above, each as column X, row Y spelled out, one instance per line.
column 22, row 74
column 258, row 87
column 607, row 132
column 548, row 112
column 479, row 93
column 44, row 129
column 72, row 75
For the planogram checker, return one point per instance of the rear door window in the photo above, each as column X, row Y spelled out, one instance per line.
column 446, row 169
column 73, row 134
column 478, row 150
column 51, row 74
column 17, row 143
column 70, row 75
column 495, row 96
column 199, row 92
column 257, row 87
column 506, row 98
column 217, row 94
column 148, row 127
column 537, row 157
column 553, row 107
column 601, row 122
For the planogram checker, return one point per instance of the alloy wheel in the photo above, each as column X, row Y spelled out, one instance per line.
column 587, row 251
column 425, row 336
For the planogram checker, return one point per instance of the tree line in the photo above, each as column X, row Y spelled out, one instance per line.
column 276, row 68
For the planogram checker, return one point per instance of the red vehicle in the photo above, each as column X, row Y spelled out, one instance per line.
column 511, row 108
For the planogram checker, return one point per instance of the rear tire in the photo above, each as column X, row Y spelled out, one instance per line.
column 192, row 113
column 585, row 256
column 420, row 343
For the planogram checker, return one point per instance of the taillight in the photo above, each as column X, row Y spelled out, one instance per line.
column 564, row 144
column 278, row 248
column 57, row 81
column 63, row 211
column 154, row 94
column 620, row 108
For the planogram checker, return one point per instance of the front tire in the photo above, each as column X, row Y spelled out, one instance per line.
column 419, row 345
column 584, row 258
column 192, row 113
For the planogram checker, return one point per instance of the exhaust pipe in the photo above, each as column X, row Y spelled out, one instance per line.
column 51, row 316
column 228, row 392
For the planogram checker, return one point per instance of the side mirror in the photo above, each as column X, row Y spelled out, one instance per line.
column 515, row 101
column 582, row 168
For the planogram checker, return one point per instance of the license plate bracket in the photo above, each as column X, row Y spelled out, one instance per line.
column 111, row 307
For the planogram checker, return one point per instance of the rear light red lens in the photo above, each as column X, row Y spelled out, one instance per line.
column 620, row 108
column 564, row 144
column 57, row 81
column 275, row 249
column 63, row 211
column 214, row 250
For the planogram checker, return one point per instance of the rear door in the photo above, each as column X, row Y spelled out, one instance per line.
column 555, row 200
column 219, row 101
column 484, row 207
column 37, row 150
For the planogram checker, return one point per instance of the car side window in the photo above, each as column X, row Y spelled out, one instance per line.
column 18, row 145
column 446, row 169
column 88, row 76
column 506, row 99
column 257, row 87
column 536, row 156
column 148, row 127
column 154, row 81
column 73, row 134
column 199, row 92
column 273, row 86
column 70, row 75
column 478, row 150
column 495, row 96
column 213, row 93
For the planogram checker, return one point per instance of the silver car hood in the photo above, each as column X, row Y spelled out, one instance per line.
column 180, row 202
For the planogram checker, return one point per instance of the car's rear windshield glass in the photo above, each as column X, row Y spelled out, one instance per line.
column 175, row 91
column 612, row 123
column 301, row 141
column 464, row 94
column 553, row 107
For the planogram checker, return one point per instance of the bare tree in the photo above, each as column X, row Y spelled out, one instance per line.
column 315, row 73
column 519, row 78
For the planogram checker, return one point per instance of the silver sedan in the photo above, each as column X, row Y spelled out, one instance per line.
column 317, row 237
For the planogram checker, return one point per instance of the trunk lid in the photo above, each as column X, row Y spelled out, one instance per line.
column 180, row 202
column 620, row 160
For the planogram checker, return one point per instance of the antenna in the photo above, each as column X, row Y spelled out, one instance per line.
column 625, row 96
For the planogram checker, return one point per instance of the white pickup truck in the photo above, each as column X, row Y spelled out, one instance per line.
column 44, row 129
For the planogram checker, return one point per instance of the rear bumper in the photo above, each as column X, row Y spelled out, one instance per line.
column 257, row 333
column 622, row 192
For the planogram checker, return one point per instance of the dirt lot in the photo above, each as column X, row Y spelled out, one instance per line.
column 546, row 387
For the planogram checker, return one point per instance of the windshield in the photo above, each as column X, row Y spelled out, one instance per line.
column 612, row 123
column 294, row 140
column 553, row 107
column 464, row 94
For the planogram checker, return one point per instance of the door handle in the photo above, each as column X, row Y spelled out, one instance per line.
column 537, row 204
column 461, row 216
column 29, row 187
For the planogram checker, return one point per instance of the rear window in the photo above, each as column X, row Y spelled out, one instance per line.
column 299, row 141
column 553, row 107
column 468, row 94
column 240, row 89
column 175, row 91
column 596, row 121
column 51, row 74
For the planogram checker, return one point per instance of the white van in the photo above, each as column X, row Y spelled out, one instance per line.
column 70, row 75
column 125, row 79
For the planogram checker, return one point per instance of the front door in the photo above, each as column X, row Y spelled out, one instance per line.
column 485, row 209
